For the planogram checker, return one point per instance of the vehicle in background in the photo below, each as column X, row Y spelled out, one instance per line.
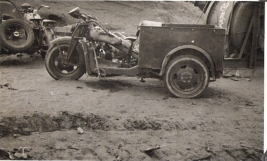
column 23, row 30
column 244, row 24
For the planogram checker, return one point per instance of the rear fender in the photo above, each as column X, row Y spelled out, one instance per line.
column 176, row 50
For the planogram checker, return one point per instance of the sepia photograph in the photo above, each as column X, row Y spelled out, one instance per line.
column 132, row 80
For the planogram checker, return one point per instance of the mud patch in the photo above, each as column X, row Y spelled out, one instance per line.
column 111, row 85
column 243, row 153
column 40, row 122
column 18, row 60
column 13, row 62
column 132, row 124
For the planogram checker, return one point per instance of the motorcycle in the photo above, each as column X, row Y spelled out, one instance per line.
column 171, row 52
column 30, row 34
column 66, row 58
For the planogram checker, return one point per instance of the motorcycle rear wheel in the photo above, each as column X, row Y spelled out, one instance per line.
column 16, row 35
column 54, row 62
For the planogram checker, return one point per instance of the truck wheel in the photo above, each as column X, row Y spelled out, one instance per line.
column 54, row 62
column 16, row 35
column 186, row 76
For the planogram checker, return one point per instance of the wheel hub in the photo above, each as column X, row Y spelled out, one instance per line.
column 186, row 77
column 61, row 64
column 16, row 33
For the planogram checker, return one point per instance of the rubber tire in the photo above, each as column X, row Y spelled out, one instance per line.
column 240, row 21
column 21, row 48
column 78, row 73
column 183, row 60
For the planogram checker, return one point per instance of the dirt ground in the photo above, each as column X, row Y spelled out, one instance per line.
column 121, row 116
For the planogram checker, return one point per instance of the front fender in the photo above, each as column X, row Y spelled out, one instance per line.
column 175, row 50
column 56, row 41
column 65, row 39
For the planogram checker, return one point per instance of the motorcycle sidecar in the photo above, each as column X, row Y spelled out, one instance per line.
column 186, row 57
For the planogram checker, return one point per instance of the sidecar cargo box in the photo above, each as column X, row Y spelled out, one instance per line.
column 157, row 41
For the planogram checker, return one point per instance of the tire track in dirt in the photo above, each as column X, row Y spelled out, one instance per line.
column 42, row 123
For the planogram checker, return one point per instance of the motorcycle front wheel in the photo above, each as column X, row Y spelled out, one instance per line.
column 57, row 67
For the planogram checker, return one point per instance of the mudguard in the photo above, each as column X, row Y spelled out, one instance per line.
column 65, row 39
column 168, row 56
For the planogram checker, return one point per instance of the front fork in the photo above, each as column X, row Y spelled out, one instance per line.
column 78, row 34
column 73, row 44
column 90, row 58
column 66, row 58
column 86, row 57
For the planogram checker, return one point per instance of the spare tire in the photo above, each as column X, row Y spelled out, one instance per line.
column 16, row 35
column 241, row 19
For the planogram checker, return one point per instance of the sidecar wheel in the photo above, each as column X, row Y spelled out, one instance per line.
column 186, row 76
column 54, row 62
column 16, row 35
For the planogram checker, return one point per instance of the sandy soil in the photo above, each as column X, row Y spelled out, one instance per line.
column 121, row 116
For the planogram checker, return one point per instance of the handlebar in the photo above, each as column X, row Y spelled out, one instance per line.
column 48, row 7
column 27, row 8
column 75, row 13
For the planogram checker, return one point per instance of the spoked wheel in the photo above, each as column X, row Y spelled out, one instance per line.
column 186, row 76
column 16, row 35
column 58, row 68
